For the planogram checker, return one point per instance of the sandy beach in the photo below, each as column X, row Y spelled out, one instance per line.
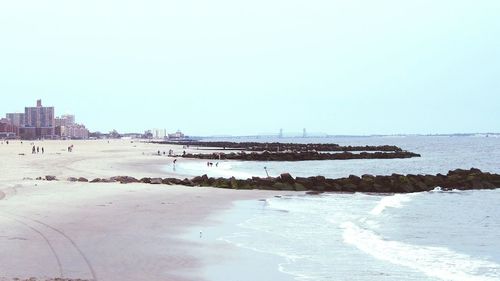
column 100, row 231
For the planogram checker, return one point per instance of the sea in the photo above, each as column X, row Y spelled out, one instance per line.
column 436, row 235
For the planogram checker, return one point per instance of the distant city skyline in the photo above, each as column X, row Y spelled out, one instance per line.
column 286, row 132
column 224, row 67
column 40, row 122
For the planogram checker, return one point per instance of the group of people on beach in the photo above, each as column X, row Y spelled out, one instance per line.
column 211, row 164
column 36, row 149
column 170, row 152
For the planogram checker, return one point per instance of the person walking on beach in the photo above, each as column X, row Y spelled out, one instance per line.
column 43, row 150
column 33, row 151
column 37, row 149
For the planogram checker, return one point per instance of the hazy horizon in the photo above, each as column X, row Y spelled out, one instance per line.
column 230, row 68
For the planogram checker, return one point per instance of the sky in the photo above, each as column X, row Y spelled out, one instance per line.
column 253, row 67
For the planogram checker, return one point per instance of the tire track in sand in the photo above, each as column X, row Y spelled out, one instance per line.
column 69, row 239
column 47, row 241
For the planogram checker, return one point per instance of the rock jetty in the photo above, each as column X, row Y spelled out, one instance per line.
column 277, row 146
column 298, row 156
column 456, row 179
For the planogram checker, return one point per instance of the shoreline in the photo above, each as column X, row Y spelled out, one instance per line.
column 232, row 261
column 107, row 232
column 118, row 232
column 126, row 232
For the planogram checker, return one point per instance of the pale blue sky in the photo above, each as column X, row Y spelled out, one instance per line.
column 248, row 67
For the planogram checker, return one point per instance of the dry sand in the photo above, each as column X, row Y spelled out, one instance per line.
column 99, row 231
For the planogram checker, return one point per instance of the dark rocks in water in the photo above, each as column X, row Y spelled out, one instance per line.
column 146, row 180
column 395, row 183
column 277, row 146
column 50, row 178
column 299, row 187
column 72, row 179
column 172, row 181
column 166, row 181
column 222, row 183
column 156, row 181
column 187, row 182
column 350, row 187
column 81, row 179
column 282, row 186
column 300, row 156
column 287, row 178
column 201, row 180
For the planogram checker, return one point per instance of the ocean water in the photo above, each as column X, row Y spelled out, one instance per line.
column 423, row 236
column 439, row 155
column 452, row 236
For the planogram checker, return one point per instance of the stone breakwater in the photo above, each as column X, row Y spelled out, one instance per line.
column 298, row 156
column 278, row 146
column 395, row 183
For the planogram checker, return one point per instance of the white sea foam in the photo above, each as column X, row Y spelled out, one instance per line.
column 437, row 189
column 435, row 262
column 394, row 201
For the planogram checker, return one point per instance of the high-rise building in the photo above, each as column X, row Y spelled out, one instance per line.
column 68, row 129
column 39, row 122
column 159, row 133
column 16, row 119
column 7, row 129
column 65, row 120
column 39, row 116
column 74, row 131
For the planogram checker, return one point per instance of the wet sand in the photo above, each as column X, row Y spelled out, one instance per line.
column 101, row 231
